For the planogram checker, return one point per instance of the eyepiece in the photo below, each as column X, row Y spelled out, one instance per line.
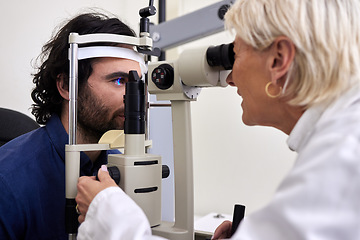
column 134, row 100
column 221, row 55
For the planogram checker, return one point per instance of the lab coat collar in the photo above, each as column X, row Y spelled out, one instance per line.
column 304, row 127
column 307, row 122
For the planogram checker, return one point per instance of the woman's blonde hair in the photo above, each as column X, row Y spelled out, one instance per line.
column 326, row 34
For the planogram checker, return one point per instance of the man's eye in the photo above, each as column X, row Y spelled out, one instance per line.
column 119, row 81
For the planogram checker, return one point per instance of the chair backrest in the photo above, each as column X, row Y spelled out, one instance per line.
column 14, row 124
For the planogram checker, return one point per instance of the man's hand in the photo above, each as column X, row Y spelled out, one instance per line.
column 223, row 230
column 89, row 187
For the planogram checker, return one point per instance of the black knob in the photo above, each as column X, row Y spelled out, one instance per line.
column 165, row 171
column 114, row 173
column 147, row 12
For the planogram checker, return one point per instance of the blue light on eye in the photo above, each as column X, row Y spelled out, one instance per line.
column 119, row 81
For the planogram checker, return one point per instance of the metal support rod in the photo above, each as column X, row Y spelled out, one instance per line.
column 183, row 228
column 72, row 160
column 162, row 18
column 183, row 165
column 162, row 11
column 73, row 91
column 72, row 237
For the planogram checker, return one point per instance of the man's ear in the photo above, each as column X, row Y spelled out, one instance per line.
column 282, row 56
column 62, row 86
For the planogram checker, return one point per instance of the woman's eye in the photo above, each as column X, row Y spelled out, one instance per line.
column 120, row 81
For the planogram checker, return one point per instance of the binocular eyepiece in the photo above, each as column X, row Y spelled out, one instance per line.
column 221, row 55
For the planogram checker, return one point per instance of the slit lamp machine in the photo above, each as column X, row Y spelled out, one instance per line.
column 138, row 173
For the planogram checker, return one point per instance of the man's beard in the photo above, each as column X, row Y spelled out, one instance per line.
column 93, row 116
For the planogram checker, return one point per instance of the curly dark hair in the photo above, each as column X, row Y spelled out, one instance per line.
column 55, row 63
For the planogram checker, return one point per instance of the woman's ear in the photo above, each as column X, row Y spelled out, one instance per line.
column 282, row 56
column 62, row 86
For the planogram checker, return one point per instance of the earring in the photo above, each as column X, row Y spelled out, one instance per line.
column 269, row 94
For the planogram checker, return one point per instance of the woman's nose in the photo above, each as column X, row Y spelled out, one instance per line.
column 229, row 80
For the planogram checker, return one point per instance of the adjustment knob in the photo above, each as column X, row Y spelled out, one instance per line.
column 165, row 171
column 114, row 173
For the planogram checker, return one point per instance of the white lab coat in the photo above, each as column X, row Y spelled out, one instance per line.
column 319, row 199
column 112, row 215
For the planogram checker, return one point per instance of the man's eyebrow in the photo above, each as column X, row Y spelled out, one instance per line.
column 116, row 75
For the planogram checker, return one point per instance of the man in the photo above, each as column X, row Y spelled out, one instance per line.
column 32, row 170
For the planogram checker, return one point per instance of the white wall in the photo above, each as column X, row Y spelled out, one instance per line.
column 233, row 163
column 27, row 25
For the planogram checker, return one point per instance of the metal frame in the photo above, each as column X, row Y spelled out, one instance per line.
column 189, row 27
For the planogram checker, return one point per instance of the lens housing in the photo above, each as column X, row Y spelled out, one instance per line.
column 221, row 55
column 163, row 76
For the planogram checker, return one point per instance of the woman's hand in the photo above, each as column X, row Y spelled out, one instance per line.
column 89, row 187
column 223, row 230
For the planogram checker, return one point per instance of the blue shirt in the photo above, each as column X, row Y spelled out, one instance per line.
column 32, row 183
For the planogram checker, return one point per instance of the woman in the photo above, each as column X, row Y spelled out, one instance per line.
column 297, row 68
